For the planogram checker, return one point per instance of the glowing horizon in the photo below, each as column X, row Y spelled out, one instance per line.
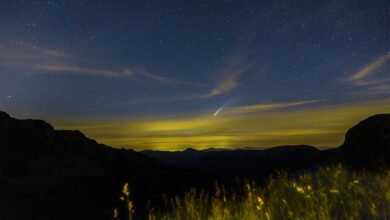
column 318, row 125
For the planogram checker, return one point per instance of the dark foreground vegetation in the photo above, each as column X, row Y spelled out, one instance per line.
column 329, row 193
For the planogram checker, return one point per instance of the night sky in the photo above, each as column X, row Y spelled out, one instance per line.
column 175, row 74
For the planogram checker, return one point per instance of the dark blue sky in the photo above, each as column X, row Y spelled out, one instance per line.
column 140, row 59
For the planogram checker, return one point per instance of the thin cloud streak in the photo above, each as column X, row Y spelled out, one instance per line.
column 43, row 60
column 125, row 73
column 369, row 78
column 360, row 76
column 228, row 76
column 265, row 107
column 76, row 69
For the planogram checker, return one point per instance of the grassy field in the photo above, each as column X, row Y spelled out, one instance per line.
column 330, row 193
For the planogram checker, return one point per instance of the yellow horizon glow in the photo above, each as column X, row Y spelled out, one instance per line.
column 320, row 126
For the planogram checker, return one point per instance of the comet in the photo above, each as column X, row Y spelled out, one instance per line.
column 222, row 107
column 218, row 110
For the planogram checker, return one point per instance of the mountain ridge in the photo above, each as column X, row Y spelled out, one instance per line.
column 41, row 164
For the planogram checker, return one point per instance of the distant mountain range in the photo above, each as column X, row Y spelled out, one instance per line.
column 57, row 174
column 367, row 145
column 244, row 163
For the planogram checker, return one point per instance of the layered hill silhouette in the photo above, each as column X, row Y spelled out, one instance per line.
column 46, row 172
column 244, row 163
column 58, row 174
column 366, row 145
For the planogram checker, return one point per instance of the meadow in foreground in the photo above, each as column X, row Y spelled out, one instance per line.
column 329, row 193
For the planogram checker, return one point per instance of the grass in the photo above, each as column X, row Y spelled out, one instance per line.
column 330, row 193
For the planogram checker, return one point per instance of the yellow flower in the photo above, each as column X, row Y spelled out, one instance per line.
column 309, row 187
column 355, row 182
column 260, row 201
column 125, row 189
column 300, row 189
column 334, row 191
column 115, row 214
column 130, row 206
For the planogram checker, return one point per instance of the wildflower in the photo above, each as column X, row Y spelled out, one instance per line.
column 267, row 215
column 122, row 198
column 300, row 189
column 355, row 182
column 260, row 201
column 115, row 214
column 308, row 187
column 125, row 189
column 334, row 191
column 130, row 206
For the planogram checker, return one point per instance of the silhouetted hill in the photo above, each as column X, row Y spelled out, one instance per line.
column 45, row 172
column 182, row 159
column 368, row 143
column 257, row 164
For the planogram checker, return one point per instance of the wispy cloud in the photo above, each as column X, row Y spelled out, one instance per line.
column 361, row 76
column 67, row 68
column 379, row 89
column 43, row 60
column 56, row 53
column 371, row 78
column 25, row 55
column 155, row 77
column 262, row 107
column 123, row 73
column 228, row 76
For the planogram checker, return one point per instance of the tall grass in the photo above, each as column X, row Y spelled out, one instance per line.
column 330, row 193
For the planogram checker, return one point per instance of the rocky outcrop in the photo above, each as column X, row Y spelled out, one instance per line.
column 367, row 145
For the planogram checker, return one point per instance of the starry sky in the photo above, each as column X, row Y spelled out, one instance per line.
column 170, row 75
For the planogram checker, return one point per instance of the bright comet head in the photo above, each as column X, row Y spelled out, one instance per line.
column 218, row 110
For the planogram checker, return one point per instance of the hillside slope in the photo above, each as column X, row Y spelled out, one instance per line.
column 46, row 171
